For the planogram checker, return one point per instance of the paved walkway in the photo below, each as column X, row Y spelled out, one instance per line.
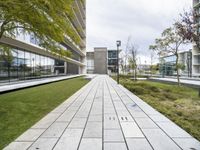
column 194, row 83
column 103, row 115
column 29, row 83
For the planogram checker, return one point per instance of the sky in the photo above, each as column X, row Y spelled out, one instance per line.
column 142, row 20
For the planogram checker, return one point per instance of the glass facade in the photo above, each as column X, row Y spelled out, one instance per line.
column 17, row 64
column 168, row 65
column 112, row 54
column 112, row 61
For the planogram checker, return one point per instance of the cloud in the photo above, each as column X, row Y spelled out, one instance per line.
column 144, row 20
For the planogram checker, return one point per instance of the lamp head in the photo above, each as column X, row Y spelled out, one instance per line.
column 118, row 43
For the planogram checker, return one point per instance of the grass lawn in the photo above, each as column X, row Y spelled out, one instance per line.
column 21, row 109
column 180, row 104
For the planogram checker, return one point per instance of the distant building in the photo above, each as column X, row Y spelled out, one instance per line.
column 90, row 62
column 195, row 50
column 167, row 65
column 112, row 61
column 102, row 61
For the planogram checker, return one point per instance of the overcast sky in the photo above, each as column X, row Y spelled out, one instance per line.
column 143, row 20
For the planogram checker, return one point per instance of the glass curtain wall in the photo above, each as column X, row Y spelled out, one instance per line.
column 17, row 64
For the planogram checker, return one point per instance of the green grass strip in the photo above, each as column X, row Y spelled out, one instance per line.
column 21, row 109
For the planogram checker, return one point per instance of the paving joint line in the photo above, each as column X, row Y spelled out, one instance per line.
column 149, row 117
column 87, row 85
column 93, row 85
column 88, row 115
column 131, row 116
column 117, row 115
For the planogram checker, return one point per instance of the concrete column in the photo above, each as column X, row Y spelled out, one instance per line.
column 65, row 67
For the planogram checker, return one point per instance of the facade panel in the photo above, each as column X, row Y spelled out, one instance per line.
column 100, row 60
column 195, row 50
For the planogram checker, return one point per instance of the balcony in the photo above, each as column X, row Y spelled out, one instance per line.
column 80, row 13
column 76, row 23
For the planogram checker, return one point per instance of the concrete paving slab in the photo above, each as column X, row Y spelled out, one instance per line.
column 138, row 114
column 77, row 123
column 45, row 122
column 138, row 144
column 172, row 129
column 67, row 116
column 55, row 130
column 146, row 123
column 18, row 146
column 115, row 146
column 30, row 135
column 159, row 140
column 113, row 136
column 69, row 140
column 61, row 108
column 109, row 110
column 93, row 130
column 130, row 129
column 125, row 118
column 44, row 144
column 95, row 118
column 159, row 118
column 188, row 143
column 91, row 143
column 111, row 122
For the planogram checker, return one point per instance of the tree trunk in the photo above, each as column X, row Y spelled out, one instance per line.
column 1, row 34
column 177, row 69
column 135, row 75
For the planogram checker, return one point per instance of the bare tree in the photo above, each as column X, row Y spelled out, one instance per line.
column 126, row 53
column 121, row 64
column 133, row 52
column 152, row 57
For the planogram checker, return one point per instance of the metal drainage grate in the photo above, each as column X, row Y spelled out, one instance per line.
column 112, row 118
column 123, row 119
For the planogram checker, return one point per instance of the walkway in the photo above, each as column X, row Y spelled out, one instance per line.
column 193, row 83
column 29, row 83
column 103, row 115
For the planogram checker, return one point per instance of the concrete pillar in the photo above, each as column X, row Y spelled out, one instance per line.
column 65, row 67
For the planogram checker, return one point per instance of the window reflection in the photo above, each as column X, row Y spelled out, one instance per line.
column 17, row 64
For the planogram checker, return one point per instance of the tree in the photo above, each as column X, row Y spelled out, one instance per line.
column 133, row 51
column 121, row 64
column 6, row 56
column 152, row 68
column 48, row 20
column 187, row 28
column 126, row 53
column 170, row 43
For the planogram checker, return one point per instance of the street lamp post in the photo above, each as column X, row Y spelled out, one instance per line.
column 118, row 45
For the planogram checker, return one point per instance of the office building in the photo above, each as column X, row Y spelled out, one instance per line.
column 112, row 61
column 27, row 60
column 167, row 65
column 102, row 61
column 196, row 51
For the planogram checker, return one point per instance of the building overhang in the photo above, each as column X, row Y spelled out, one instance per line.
column 36, row 49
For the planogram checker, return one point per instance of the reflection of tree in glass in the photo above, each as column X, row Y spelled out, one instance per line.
column 7, row 57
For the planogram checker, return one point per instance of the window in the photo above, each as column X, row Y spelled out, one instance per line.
column 112, row 54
